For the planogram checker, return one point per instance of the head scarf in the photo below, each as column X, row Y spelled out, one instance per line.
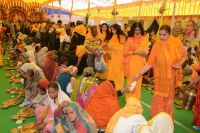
column 133, row 106
column 80, row 29
column 49, row 65
column 61, row 97
column 82, row 117
column 26, row 66
column 104, row 96
column 43, row 83
column 40, row 56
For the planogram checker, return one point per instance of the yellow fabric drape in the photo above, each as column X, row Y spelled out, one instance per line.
column 133, row 106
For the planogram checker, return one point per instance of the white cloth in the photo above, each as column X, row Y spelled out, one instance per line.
column 69, row 88
column 161, row 123
column 26, row 66
column 62, row 96
column 33, row 66
column 129, row 124
column 39, row 57
column 40, row 99
column 30, row 52
column 64, row 38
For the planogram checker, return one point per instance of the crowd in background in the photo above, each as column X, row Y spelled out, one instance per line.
column 73, row 74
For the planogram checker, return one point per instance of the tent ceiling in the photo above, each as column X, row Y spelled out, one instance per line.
column 37, row 1
column 83, row 4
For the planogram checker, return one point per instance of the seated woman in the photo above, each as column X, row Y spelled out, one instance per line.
column 130, row 120
column 60, row 67
column 74, row 119
column 103, row 104
column 67, row 80
column 31, row 86
column 49, row 65
column 45, row 114
column 84, row 83
column 42, row 93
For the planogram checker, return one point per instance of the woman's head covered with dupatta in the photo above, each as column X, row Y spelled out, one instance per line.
column 133, row 106
column 88, row 71
column 73, row 115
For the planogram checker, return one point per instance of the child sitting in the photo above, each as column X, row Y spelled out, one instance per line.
column 42, row 93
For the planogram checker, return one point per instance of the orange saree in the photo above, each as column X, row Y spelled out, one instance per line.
column 103, row 104
column 163, row 55
column 134, row 63
column 115, row 71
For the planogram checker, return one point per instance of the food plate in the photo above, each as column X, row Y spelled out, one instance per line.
column 10, row 102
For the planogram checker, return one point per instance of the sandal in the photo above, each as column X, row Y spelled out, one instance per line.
column 179, row 107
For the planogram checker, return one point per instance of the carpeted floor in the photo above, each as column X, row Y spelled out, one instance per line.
column 182, row 124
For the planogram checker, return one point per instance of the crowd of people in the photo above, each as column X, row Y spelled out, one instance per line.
column 74, row 74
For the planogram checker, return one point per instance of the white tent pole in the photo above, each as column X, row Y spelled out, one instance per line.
column 71, row 10
column 139, row 10
column 173, row 15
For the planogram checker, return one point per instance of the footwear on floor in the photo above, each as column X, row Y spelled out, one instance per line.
column 196, row 127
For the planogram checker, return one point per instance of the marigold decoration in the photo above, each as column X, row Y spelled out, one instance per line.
column 114, row 12
column 162, row 9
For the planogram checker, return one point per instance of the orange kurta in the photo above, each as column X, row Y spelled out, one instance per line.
column 103, row 104
column 134, row 63
column 115, row 71
column 163, row 55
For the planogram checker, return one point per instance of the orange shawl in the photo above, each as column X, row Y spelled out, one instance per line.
column 103, row 104
column 163, row 55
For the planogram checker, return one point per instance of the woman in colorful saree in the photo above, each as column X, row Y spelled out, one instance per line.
column 136, row 49
column 166, row 57
column 49, row 65
column 115, row 51
column 45, row 114
column 103, row 104
column 130, row 120
column 83, row 84
column 67, row 79
column 74, row 120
